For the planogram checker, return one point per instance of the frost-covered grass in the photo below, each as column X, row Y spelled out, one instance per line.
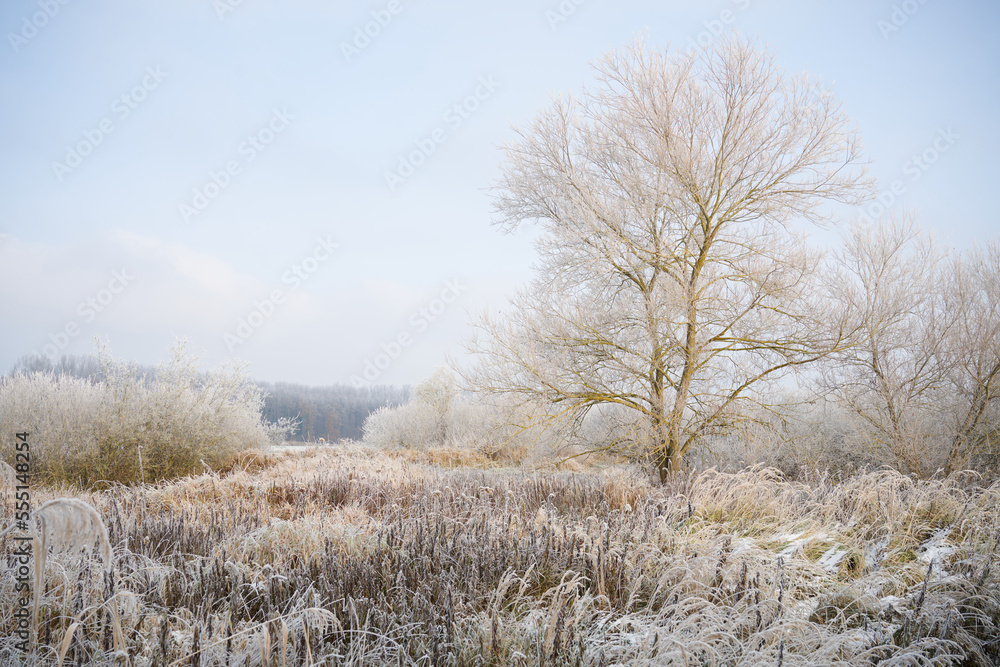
column 347, row 555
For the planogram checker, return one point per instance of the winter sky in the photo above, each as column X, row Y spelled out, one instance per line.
column 169, row 169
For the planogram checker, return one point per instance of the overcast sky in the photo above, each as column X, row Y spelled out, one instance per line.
column 230, row 172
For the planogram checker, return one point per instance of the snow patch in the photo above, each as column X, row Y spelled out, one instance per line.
column 830, row 561
column 936, row 550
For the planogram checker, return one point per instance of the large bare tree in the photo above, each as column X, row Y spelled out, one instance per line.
column 672, row 281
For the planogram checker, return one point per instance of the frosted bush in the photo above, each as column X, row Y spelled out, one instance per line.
column 128, row 427
column 411, row 425
column 442, row 415
column 58, row 412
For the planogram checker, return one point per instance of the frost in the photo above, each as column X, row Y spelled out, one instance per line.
column 936, row 550
column 830, row 561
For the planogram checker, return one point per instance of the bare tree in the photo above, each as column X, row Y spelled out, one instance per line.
column 439, row 393
column 923, row 370
column 887, row 278
column 972, row 352
column 671, row 281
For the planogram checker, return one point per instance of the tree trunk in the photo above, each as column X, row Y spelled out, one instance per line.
column 667, row 457
column 664, row 461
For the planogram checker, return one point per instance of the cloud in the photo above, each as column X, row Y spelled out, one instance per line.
column 181, row 264
column 120, row 286
column 322, row 331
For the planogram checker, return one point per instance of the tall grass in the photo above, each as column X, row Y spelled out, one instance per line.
column 353, row 557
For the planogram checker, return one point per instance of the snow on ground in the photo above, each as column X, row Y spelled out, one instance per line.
column 298, row 447
column 936, row 550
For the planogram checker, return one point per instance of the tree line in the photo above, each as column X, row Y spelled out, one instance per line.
column 330, row 412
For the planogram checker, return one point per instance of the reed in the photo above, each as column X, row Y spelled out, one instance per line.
column 352, row 556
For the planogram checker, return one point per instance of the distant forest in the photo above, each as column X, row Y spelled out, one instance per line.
column 330, row 412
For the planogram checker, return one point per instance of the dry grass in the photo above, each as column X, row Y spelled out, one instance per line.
column 445, row 457
column 351, row 556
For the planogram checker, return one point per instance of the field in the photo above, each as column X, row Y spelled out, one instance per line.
column 351, row 555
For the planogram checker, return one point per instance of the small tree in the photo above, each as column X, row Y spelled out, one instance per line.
column 886, row 280
column 972, row 353
column 923, row 372
column 438, row 395
column 671, row 281
column 428, row 419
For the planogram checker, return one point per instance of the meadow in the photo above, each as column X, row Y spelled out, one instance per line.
column 355, row 555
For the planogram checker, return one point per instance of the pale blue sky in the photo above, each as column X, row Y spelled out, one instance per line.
column 343, row 125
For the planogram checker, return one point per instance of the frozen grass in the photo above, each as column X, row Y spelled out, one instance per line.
column 349, row 556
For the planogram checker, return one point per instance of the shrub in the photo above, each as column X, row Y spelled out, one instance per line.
column 441, row 415
column 130, row 428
